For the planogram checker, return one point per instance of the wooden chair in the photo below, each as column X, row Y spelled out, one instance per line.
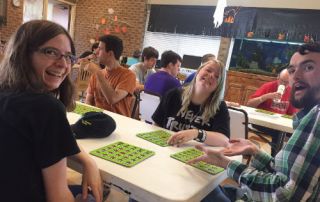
column 82, row 81
column 74, row 74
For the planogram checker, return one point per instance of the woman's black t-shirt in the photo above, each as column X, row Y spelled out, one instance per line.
column 167, row 115
column 35, row 134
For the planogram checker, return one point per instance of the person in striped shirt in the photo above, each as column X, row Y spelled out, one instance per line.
column 294, row 173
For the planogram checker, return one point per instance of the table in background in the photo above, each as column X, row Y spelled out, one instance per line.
column 274, row 121
column 158, row 178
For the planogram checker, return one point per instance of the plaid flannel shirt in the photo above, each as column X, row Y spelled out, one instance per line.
column 293, row 175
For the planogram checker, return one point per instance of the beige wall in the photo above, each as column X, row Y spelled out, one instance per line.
column 299, row 4
column 88, row 13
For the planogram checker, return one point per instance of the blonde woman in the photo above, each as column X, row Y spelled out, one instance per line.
column 195, row 111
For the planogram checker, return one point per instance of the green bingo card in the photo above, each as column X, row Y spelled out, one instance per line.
column 287, row 116
column 123, row 153
column 264, row 111
column 192, row 153
column 82, row 109
column 158, row 137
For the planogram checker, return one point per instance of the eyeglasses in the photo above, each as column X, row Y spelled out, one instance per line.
column 55, row 54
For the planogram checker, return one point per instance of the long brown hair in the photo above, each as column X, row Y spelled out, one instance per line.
column 212, row 103
column 16, row 70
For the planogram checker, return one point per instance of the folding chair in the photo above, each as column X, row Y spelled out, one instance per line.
column 135, row 105
column 238, row 123
column 148, row 104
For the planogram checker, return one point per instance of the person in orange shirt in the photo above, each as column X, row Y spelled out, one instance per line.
column 110, row 88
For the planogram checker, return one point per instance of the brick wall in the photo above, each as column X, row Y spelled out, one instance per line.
column 88, row 14
column 14, row 20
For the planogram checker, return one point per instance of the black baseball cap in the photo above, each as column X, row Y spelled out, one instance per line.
column 94, row 125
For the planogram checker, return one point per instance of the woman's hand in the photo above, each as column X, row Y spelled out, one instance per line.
column 212, row 157
column 182, row 137
column 90, row 176
column 240, row 147
column 91, row 179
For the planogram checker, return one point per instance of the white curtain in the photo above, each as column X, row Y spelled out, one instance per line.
column 183, row 44
column 33, row 9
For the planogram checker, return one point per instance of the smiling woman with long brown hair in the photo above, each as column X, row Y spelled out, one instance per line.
column 36, row 138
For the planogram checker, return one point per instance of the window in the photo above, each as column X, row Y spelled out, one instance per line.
column 60, row 11
column 182, row 44
column 33, row 10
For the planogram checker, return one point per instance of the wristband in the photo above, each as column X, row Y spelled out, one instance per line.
column 202, row 135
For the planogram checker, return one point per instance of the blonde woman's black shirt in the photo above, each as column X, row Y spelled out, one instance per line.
column 167, row 115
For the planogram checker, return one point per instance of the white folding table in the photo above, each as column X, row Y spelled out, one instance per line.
column 158, row 178
column 275, row 121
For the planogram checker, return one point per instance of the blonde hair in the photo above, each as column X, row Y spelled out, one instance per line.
column 211, row 105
